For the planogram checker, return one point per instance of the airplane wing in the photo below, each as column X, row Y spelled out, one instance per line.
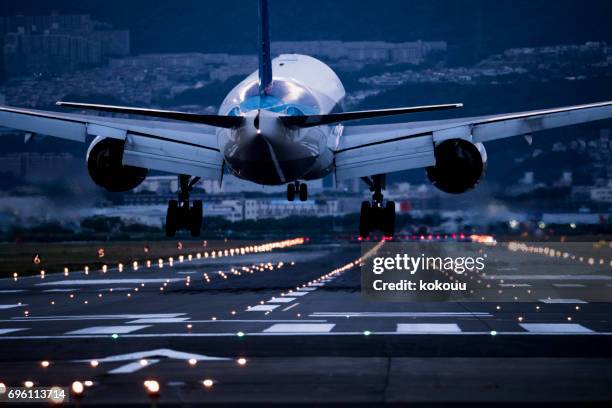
column 378, row 149
column 173, row 147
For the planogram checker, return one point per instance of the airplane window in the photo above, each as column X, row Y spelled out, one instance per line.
column 235, row 111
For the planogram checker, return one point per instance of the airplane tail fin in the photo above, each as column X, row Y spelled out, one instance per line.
column 265, row 60
column 304, row 121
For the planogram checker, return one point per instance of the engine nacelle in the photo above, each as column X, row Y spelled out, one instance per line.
column 460, row 165
column 104, row 163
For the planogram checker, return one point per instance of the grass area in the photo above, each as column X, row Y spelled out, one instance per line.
column 54, row 257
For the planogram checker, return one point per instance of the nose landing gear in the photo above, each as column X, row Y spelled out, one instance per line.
column 375, row 215
column 296, row 187
column 179, row 214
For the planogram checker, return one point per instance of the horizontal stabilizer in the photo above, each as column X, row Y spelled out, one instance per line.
column 212, row 120
column 303, row 121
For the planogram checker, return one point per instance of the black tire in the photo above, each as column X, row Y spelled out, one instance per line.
column 290, row 192
column 303, row 192
column 365, row 219
column 195, row 218
column 389, row 219
column 171, row 218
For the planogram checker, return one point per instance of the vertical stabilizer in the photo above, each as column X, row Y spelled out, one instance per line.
column 265, row 61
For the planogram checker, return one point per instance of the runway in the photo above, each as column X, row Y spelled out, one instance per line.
column 289, row 325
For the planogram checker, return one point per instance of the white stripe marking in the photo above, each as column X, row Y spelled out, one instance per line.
column 569, row 285
column 12, row 290
column 158, row 320
column 554, row 301
column 12, row 306
column 307, row 289
column 555, row 328
column 291, row 307
column 300, row 328
column 428, row 328
column 132, row 367
column 262, row 308
column 5, row 331
column 297, row 294
column 108, row 329
column 59, row 290
column 400, row 314
column 515, row 285
column 281, row 300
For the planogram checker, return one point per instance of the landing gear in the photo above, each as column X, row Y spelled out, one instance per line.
column 180, row 214
column 375, row 215
column 300, row 188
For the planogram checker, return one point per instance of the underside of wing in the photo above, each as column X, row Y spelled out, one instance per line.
column 378, row 149
column 174, row 147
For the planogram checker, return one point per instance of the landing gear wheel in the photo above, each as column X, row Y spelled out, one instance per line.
column 195, row 218
column 303, row 192
column 290, row 192
column 388, row 217
column 365, row 219
column 171, row 218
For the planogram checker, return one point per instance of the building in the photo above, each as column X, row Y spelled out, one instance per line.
column 415, row 52
column 54, row 44
column 279, row 208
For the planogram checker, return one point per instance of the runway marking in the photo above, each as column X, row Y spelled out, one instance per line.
column 299, row 328
column 549, row 277
column 12, row 290
column 555, row 301
column 569, row 285
column 428, row 328
column 5, row 331
column 297, row 294
column 167, row 353
column 132, row 367
column 555, row 328
column 188, row 272
column 359, row 334
column 158, row 320
column 401, row 314
column 291, row 307
column 2, row 307
column 515, row 285
column 307, row 289
column 507, row 269
column 262, row 308
column 281, row 300
column 70, row 282
column 108, row 329
column 60, row 290
column 98, row 317
column 316, row 284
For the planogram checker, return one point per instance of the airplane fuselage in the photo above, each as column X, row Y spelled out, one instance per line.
column 265, row 151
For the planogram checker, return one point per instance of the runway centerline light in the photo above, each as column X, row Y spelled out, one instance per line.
column 241, row 361
column 493, row 333
column 94, row 363
column 208, row 383
column 44, row 364
column 143, row 362
column 77, row 388
column 28, row 384
column 193, row 361
column 240, row 334
column 152, row 387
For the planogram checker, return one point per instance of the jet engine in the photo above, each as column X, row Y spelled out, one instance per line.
column 104, row 164
column 460, row 165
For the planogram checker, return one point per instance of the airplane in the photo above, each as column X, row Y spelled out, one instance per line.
column 284, row 124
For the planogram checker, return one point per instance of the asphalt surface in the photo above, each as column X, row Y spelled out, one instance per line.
column 297, row 318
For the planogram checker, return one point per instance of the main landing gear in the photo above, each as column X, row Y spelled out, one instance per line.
column 296, row 187
column 180, row 215
column 375, row 215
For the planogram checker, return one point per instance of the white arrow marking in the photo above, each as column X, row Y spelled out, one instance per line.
column 146, row 355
